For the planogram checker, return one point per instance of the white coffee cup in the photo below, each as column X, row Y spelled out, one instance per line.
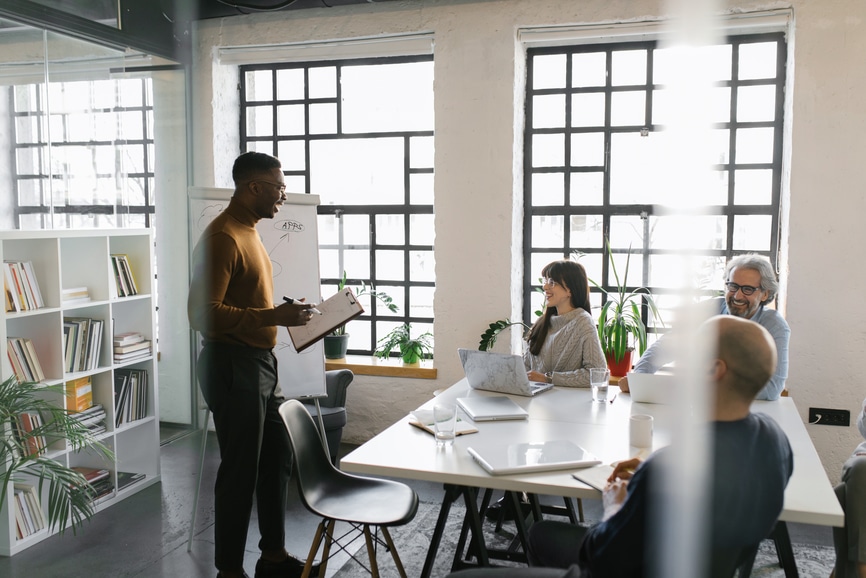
column 444, row 422
column 640, row 431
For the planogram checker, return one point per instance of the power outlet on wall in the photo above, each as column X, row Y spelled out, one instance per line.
column 824, row 416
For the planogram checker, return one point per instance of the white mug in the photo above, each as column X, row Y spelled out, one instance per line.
column 640, row 431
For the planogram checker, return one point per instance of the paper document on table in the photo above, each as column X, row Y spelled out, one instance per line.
column 595, row 476
column 338, row 309
column 423, row 419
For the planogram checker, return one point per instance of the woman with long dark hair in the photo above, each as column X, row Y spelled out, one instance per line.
column 563, row 345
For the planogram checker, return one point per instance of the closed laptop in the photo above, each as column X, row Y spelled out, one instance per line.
column 517, row 458
column 491, row 408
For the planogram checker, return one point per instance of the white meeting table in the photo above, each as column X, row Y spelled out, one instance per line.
column 404, row 451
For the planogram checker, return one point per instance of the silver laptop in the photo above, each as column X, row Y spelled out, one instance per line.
column 498, row 372
column 651, row 387
column 518, row 458
column 491, row 408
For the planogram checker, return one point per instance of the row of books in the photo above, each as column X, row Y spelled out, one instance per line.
column 29, row 518
column 22, row 288
column 130, row 395
column 82, row 341
column 25, row 362
column 123, row 276
column 130, row 347
column 27, row 428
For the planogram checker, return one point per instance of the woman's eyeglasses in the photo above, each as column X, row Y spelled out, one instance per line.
column 746, row 289
column 546, row 282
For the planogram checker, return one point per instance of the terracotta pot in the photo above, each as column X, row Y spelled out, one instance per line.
column 619, row 368
column 336, row 346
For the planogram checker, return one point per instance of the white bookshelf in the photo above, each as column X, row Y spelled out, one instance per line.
column 81, row 258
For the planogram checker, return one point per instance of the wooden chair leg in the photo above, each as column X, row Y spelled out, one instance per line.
column 580, row 510
column 317, row 539
column 371, row 552
column 326, row 551
column 390, row 543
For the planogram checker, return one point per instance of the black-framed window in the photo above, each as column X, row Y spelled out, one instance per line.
column 596, row 120
column 86, row 160
column 358, row 133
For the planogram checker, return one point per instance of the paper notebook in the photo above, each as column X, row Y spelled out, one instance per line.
column 423, row 419
column 338, row 309
column 517, row 458
column 596, row 476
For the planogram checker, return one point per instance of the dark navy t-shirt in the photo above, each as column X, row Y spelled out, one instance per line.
column 751, row 467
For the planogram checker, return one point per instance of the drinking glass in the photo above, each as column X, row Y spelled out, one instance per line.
column 444, row 422
column 598, row 381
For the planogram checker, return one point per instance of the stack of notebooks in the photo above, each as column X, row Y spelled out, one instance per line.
column 22, row 289
column 25, row 362
column 74, row 296
column 130, row 347
column 93, row 419
column 99, row 480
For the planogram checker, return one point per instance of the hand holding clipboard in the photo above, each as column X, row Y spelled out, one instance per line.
column 338, row 309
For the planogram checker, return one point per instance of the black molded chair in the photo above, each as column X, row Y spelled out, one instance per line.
column 337, row 496
column 333, row 408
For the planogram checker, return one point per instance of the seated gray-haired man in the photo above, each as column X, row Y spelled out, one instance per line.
column 750, row 283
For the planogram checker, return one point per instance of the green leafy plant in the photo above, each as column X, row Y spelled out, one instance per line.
column 412, row 350
column 488, row 338
column 365, row 289
column 620, row 325
column 69, row 495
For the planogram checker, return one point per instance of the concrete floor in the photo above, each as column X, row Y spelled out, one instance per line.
column 146, row 534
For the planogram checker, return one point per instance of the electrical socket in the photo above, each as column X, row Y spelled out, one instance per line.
column 824, row 416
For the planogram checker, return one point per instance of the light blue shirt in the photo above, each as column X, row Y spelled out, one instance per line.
column 658, row 355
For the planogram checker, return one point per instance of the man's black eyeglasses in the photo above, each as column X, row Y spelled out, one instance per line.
column 746, row 289
column 278, row 185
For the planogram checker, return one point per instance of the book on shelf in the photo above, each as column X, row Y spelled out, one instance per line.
column 29, row 518
column 91, row 417
column 74, row 295
column 123, row 276
column 126, row 479
column 130, row 395
column 132, row 356
column 83, row 342
column 29, row 430
column 79, row 394
column 92, row 474
column 121, row 349
column 128, row 338
column 21, row 286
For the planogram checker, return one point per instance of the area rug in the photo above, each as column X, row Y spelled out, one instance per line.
column 413, row 539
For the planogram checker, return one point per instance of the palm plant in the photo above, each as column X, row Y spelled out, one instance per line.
column 69, row 495
column 620, row 316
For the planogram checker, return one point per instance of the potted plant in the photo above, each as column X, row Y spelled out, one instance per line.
column 620, row 326
column 69, row 495
column 337, row 342
column 412, row 350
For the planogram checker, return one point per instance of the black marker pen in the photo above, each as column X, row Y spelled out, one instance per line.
column 311, row 309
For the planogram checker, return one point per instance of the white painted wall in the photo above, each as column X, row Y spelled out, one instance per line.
column 478, row 67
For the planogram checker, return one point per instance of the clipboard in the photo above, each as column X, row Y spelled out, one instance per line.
column 338, row 309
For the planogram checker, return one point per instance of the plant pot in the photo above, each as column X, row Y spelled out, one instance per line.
column 619, row 368
column 336, row 346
